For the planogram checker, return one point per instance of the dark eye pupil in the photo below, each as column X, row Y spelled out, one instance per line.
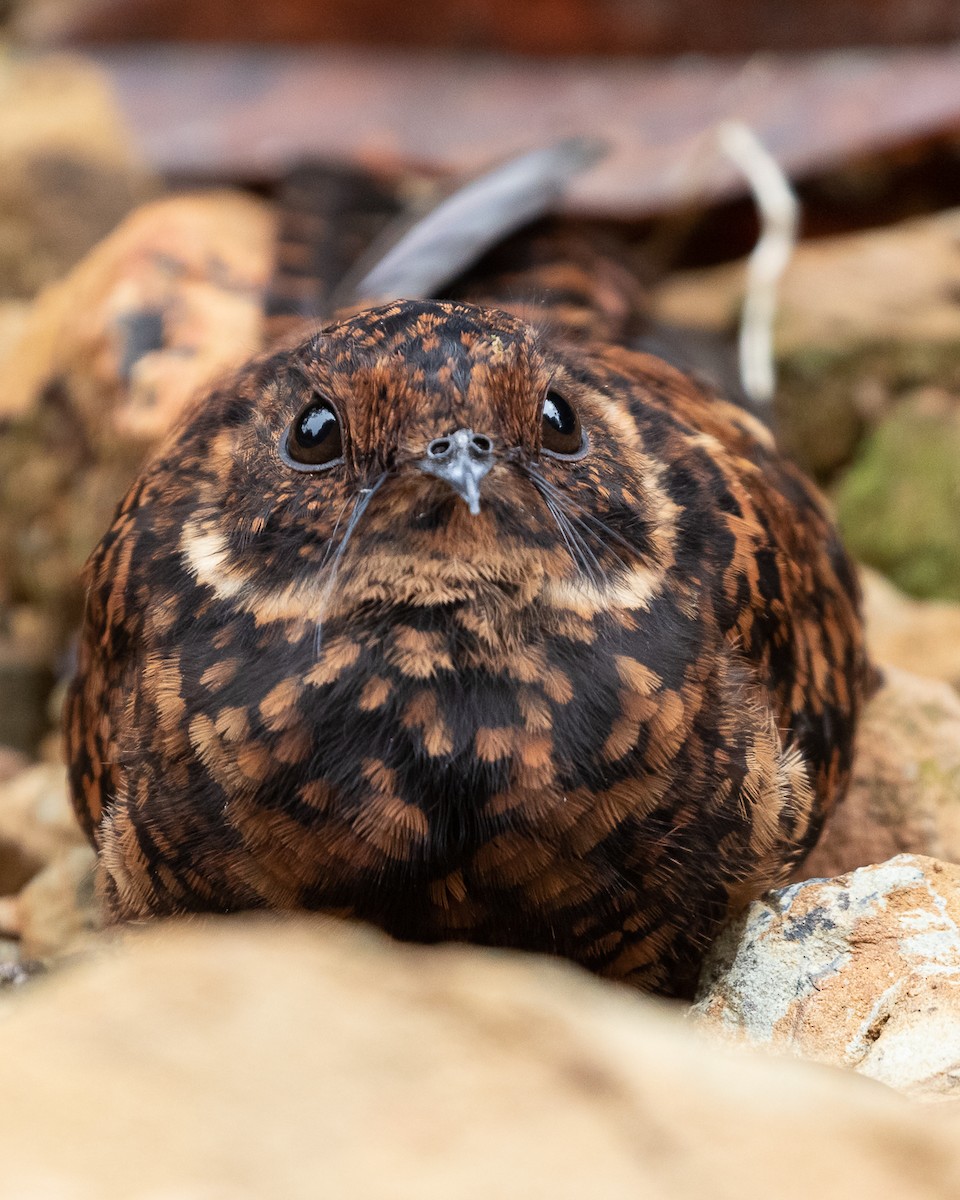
column 559, row 413
column 314, row 438
column 315, row 425
column 560, row 427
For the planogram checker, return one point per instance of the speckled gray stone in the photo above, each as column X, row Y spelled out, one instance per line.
column 862, row 971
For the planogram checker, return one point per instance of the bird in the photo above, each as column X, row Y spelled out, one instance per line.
column 462, row 616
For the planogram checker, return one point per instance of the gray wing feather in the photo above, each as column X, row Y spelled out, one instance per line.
column 416, row 261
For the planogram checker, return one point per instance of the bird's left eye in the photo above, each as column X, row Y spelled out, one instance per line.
column 560, row 431
column 314, row 439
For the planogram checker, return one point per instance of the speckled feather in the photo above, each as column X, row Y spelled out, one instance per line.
column 591, row 720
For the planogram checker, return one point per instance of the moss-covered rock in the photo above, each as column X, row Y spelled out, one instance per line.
column 899, row 504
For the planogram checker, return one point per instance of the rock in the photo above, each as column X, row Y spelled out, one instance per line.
column 922, row 636
column 817, row 411
column 69, row 169
column 899, row 504
column 14, row 973
column 37, row 824
column 862, row 971
column 106, row 362
column 862, row 319
column 896, row 284
column 13, row 320
column 10, row 972
column 303, row 1058
column 12, row 762
column 168, row 302
column 47, row 903
column 56, row 912
column 24, row 686
column 905, row 792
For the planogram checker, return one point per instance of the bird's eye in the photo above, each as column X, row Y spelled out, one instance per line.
column 560, row 431
column 314, row 440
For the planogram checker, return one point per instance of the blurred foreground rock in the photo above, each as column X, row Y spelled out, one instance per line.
column 69, row 169
column 862, row 971
column 905, row 792
column 243, row 1059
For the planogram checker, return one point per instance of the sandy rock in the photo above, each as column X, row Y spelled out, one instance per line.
column 302, row 1060
column 47, row 903
column 56, row 912
column 922, row 636
column 13, row 321
column 12, row 762
column 37, row 824
column 861, row 320
column 862, row 971
column 69, row 169
column 905, row 791
column 892, row 284
column 9, row 962
column 157, row 310
column 106, row 362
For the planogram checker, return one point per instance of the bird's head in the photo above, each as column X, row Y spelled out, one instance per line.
column 419, row 454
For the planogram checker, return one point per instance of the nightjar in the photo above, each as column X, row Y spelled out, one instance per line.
column 463, row 617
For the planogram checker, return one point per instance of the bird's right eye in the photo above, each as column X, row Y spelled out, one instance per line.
column 313, row 439
column 560, row 431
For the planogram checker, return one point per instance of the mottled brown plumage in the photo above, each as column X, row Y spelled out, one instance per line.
column 589, row 718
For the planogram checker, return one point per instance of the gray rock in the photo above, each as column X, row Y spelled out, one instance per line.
column 862, row 971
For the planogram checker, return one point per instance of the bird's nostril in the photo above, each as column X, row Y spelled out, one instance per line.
column 481, row 444
column 438, row 448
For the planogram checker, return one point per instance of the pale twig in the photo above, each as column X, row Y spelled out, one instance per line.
column 779, row 221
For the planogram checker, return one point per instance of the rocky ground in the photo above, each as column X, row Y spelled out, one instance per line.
column 244, row 1058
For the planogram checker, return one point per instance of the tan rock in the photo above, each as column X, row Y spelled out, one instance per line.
column 922, row 636
column 861, row 319
column 106, row 362
column 12, row 762
column 168, row 302
column 69, row 168
column 897, row 283
column 9, row 960
column 13, row 320
column 862, row 971
column 56, row 912
column 237, row 1059
column 905, row 791
column 47, row 901
column 37, row 824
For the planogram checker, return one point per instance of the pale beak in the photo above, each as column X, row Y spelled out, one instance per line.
column 461, row 459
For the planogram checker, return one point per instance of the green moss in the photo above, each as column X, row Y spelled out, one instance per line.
column 899, row 504
column 819, row 421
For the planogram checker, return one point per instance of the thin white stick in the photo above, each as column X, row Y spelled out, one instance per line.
column 779, row 222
